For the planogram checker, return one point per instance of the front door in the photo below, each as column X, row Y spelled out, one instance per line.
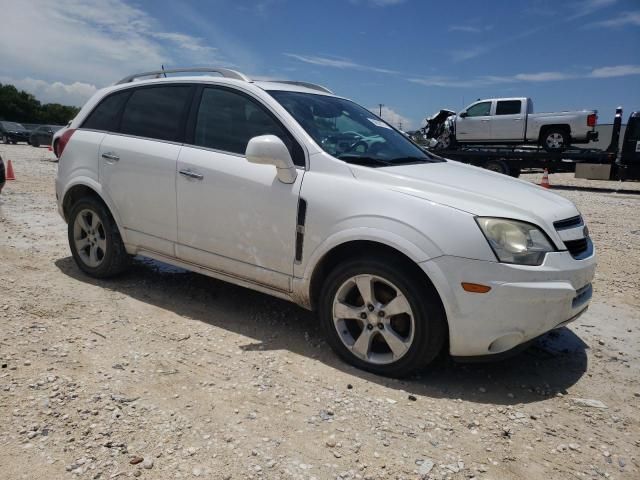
column 476, row 125
column 234, row 216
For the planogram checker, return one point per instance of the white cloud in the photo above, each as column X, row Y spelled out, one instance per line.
column 587, row 7
column 617, row 71
column 394, row 118
column 76, row 93
column 622, row 20
column 336, row 62
column 536, row 77
column 470, row 28
column 90, row 41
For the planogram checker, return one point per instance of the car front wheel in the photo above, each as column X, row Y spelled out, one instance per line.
column 94, row 239
column 382, row 317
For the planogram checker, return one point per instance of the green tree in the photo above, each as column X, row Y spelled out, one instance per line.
column 20, row 106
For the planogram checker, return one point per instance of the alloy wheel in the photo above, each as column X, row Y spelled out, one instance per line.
column 90, row 238
column 374, row 319
column 555, row 141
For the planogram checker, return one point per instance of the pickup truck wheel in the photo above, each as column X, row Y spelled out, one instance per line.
column 94, row 239
column 555, row 140
column 381, row 318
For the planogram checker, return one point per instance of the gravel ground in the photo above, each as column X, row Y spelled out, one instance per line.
column 165, row 374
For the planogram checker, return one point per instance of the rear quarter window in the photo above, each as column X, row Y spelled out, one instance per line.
column 107, row 114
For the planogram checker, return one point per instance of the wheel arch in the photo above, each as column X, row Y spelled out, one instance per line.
column 555, row 126
column 359, row 248
column 84, row 188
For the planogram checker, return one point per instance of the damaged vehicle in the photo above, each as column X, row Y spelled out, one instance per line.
column 288, row 189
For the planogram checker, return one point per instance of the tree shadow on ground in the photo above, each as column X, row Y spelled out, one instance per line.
column 550, row 365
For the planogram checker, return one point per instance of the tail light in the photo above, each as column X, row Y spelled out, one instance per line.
column 60, row 145
column 592, row 119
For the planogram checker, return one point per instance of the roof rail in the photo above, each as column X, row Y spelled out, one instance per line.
column 313, row 86
column 225, row 72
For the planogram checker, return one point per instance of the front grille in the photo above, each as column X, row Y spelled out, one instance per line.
column 572, row 222
column 577, row 247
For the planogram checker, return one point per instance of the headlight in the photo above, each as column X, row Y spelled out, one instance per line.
column 515, row 242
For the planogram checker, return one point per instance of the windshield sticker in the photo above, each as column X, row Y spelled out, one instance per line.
column 378, row 123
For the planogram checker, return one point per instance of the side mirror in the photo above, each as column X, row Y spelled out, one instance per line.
column 463, row 115
column 270, row 150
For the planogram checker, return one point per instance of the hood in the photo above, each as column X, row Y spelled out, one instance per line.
column 474, row 190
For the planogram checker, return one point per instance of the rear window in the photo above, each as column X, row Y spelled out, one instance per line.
column 106, row 115
column 508, row 107
column 156, row 112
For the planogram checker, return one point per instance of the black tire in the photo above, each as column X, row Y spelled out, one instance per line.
column 514, row 171
column 430, row 326
column 114, row 259
column 35, row 142
column 499, row 166
column 555, row 140
column 15, row 142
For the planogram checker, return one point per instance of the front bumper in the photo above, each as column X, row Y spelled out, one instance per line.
column 524, row 302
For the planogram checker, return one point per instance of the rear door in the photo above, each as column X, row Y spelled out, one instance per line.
column 508, row 121
column 138, row 164
column 476, row 125
column 234, row 216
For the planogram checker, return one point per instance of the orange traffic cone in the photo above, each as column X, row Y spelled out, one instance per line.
column 10, row 175
column 545, row 179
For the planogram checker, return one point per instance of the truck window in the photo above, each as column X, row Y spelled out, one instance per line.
column 482, row 109
column 508, row 107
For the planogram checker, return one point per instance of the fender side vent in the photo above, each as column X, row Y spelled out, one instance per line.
column 302, row 218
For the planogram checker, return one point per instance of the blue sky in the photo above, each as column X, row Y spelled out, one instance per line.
column 411, row 55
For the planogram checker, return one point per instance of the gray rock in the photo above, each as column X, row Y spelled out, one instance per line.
column 589, row 402
column 426, row 467
column 148, row 463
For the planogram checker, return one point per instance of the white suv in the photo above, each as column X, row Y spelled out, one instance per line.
column 288, row 189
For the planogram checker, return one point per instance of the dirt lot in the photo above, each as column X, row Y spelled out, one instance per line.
column 192, row 377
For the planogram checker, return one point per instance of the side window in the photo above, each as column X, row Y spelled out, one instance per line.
column 156, row 112
column 508, row 107
column 105, row 115
column 479, row 110
column 227, row 121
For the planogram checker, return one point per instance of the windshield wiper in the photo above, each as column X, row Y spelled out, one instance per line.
column 359, row 160
column 401, row 160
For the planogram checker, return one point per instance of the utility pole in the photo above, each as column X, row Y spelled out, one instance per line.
column 381, row 105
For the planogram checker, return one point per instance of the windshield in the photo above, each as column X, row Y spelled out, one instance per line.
column 13, row 126
column 350, row 132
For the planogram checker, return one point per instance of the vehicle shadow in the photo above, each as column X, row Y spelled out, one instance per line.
column 550, row 365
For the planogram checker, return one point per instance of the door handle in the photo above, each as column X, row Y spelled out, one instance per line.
column 110, row 156
column 191, row 174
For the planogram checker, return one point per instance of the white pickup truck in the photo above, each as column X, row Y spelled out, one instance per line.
column 512, row 121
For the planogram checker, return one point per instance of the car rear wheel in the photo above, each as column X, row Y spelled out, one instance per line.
column 94, row 239
column 555, row 140
column 381, row 317
column 35, row 142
